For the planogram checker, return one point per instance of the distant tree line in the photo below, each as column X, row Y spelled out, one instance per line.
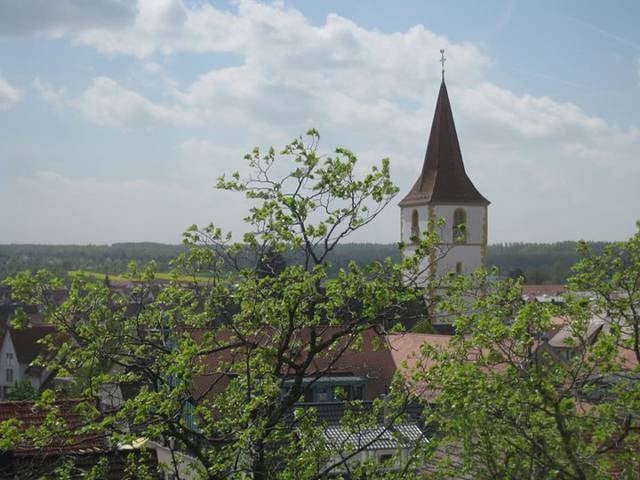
column 538, row 263
column 59, row 259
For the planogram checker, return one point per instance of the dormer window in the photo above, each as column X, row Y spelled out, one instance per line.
column 332, row 389
column 459, row 226
column 415, row 225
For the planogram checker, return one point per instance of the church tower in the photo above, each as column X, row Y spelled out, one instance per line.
column 443, row 190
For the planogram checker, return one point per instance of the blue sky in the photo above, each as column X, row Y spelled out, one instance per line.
column 117, row 116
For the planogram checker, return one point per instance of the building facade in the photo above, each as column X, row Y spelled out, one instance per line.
column 18, row 349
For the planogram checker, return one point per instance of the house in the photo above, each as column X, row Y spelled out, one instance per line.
column 26, row 459
column 565, row 340
column 543, row 293
column 18, row 349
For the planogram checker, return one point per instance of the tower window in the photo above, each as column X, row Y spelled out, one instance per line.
column 415, row 225
column 459, row 226
column 459, row 268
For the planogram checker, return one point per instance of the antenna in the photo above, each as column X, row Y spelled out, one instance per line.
column 442, row 60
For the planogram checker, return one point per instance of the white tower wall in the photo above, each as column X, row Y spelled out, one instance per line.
column 467, row 256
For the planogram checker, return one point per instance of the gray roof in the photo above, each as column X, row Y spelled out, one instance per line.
column 375, row 438
column 566, row 339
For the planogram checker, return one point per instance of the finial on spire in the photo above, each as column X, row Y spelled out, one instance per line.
column 442, row 60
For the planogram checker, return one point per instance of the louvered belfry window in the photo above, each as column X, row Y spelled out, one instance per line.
column 459, row 226
column 415, row 225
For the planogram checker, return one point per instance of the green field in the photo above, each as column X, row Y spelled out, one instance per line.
column 540, row 263
column 121, row 278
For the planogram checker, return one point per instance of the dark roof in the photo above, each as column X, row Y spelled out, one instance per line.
column 25, row 342
column 443, row 178
column 28, row 414
column 28, row 461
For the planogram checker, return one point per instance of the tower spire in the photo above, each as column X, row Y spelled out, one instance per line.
column 443, row 178
column 444, row 191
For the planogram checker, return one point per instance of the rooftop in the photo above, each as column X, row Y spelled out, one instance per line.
column 443, row 178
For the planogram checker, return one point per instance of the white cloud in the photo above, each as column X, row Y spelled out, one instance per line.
column 152, row 67
column 207, row 160
column 529, row 116
column 92, row 210
column 50, row 94
column 371, row 91
column 292, row 73
column 9, row 95
column 107, row 103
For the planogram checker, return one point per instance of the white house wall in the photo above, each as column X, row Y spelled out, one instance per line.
column 7, row 347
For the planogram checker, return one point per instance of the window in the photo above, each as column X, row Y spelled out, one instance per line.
column 415, row 224
column 385, row 457
column 331, row 389
column 459, row 226
column 459, row 268
column 358, row 392
column 323, row 395
column 9, row 375
column 9, row 358
column 308, row 395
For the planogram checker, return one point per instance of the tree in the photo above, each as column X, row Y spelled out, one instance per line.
column 537, row 276
column 22, row 390
column 517, row 273
column 509, row 407
column 613, row 277
column 219, row 366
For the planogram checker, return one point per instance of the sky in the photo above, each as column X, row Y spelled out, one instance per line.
column 117, row 116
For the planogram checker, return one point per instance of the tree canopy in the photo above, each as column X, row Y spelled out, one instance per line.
column 220, row 365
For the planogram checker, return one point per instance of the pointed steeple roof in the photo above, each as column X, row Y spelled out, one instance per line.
column 443, row 178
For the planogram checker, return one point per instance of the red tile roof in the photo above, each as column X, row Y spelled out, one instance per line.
column 372, row 361
column 28, row 414
column 531, row 291
column 443, row 178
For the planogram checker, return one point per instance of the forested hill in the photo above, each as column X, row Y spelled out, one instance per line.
column 540, row 263
column 95, row 258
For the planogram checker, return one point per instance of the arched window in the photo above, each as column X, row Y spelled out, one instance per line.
column 459, row 226
column 415, row 225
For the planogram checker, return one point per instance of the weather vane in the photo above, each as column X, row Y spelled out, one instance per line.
column 442, row 60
